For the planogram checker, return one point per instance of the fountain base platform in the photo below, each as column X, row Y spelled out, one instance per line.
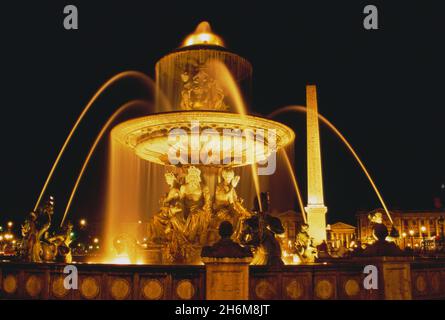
column 399, row 278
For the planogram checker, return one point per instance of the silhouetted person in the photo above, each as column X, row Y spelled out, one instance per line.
column 382, row 247
column 226, row 247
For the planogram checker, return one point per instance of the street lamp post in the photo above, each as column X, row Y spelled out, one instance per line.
column 404, row 240
column 411, row 233
column 423, row 230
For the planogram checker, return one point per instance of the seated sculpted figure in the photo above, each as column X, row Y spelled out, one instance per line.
column 59, row 244
column 196, row 203
column 303, row 244
column 227, row 206
column 169, row 221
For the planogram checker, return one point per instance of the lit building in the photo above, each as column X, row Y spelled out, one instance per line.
column 341, row 234
column 413, row 226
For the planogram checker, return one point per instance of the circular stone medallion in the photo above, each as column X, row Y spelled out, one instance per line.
column 152, row 289
column 58, row 288
column 33, row 286
column 352, row 288
column 10, row 284
column 420, row 283
column 264, row 290
column 120, row 289
column 324, row 289
column 89, row 288
column 295, row 289
column 185, row 289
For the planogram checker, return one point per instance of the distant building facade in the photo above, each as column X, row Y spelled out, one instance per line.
column 414, row 226
column 341, row 234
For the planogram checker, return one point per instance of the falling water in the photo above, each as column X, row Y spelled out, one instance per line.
column 222, row 74
column 136, row 185
column 173, row 69
column 123, row 75
column 117, row 113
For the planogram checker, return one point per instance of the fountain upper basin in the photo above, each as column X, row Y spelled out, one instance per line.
column 221, row 138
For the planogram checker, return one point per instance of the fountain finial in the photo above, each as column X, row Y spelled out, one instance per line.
column 203, row 35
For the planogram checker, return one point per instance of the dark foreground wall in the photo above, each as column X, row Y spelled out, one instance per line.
column 415, row 279
column 421, row 280
column 45, row 281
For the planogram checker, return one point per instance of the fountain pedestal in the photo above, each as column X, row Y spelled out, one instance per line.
column 227, row 267
column 394, row 276
column 227, row 278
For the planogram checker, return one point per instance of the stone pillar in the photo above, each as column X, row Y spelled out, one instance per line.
column 394, row 276
column 397, row 280
column 227, row 278
column 316, row 210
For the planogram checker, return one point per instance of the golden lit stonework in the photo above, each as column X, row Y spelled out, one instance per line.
column 149, row 136
column 203, row 35
column 316, row 210
column 201, row 91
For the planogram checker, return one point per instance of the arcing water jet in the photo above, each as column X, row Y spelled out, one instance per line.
column 123, row 75
column 104, row 129
column 345, row 142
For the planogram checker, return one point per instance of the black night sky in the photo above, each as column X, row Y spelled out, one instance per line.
column 383, row 89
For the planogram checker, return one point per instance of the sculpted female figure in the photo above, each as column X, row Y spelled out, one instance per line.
column 169, row 220
column 227, row 206
column 196, row 200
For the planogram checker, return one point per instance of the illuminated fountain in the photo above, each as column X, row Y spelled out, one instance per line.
column 202, row 144
column 195, row 158
column 199, row 158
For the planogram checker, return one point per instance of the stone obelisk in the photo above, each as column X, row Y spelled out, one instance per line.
column 316, row 210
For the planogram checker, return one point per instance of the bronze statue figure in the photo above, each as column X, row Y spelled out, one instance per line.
column 189, row 219
column 37, row 245
column 170, row 218
column 227, row 205
column 197, row 206
column 304, row 247
column 259, row 232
